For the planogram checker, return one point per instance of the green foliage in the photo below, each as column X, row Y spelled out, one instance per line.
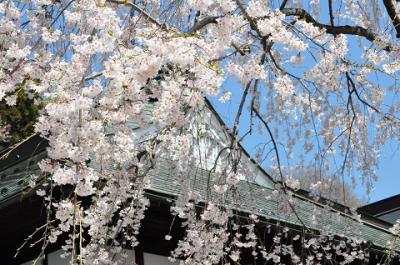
column 21, row 117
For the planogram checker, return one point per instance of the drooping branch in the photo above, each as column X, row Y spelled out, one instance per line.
column 391, row 9
column 275, row 148
column 265, row 123
column 355, row 91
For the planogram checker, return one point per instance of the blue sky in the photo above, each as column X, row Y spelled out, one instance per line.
column 388, row 183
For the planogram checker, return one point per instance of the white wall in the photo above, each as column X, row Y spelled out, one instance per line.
column 213, row 138
column 151, row 259
column 54, row 258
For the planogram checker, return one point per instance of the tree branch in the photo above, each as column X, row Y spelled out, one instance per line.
column 140, row 10
column 354, row 89
column 202, row 23
column 391, row 9
column 239, row 113
column 284, row 2
column 275, row 148
column 253, row 24
column 347, row 29
column 331, row 12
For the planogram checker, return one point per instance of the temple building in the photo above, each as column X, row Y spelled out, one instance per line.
column 22, row 211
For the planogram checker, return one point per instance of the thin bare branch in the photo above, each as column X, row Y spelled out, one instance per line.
column 140, row 10
column 331, row 12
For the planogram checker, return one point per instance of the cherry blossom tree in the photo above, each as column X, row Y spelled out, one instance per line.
column 318, row 90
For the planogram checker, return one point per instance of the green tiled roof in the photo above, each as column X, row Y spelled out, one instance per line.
column 254, row 196
column 14, row 180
